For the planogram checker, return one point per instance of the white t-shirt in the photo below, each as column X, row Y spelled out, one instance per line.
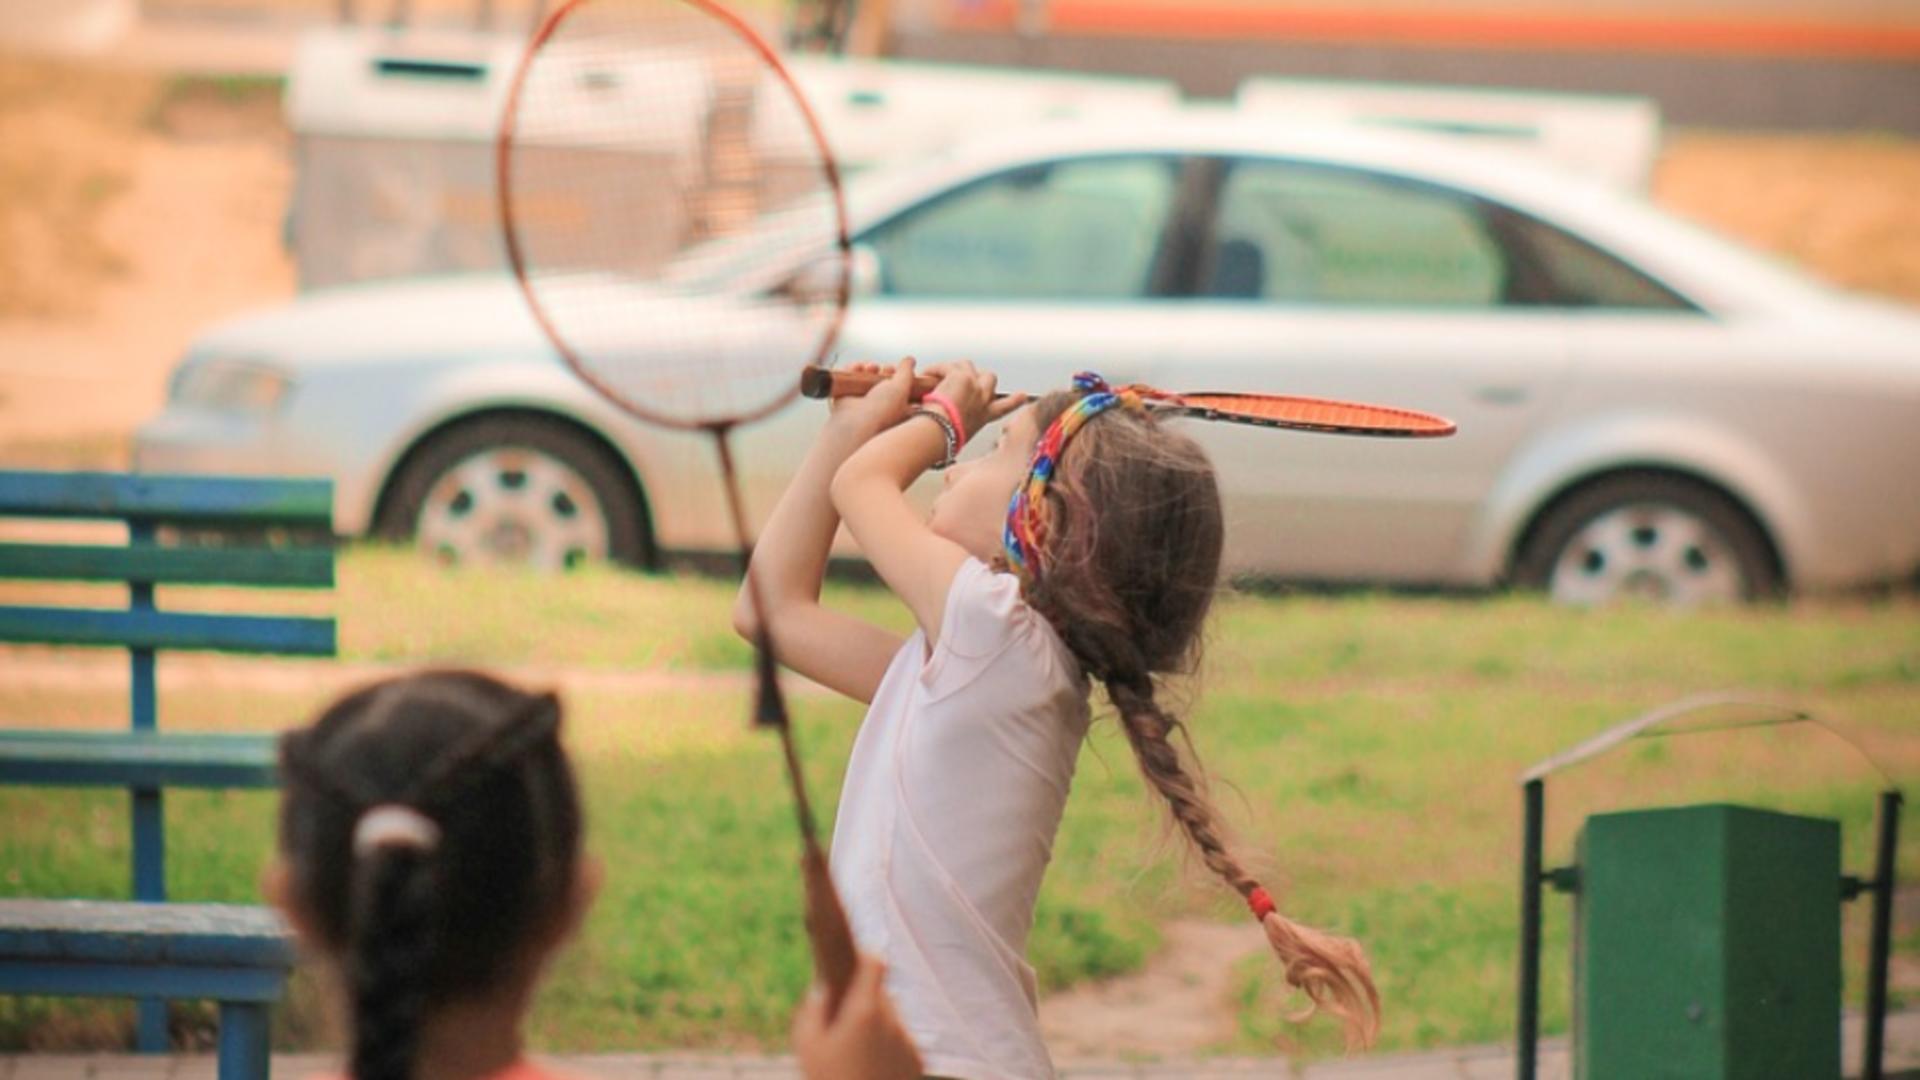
column 956, row 786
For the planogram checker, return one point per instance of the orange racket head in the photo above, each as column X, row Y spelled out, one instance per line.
column 1260, row 410
column 656, row 163
column 1306, row 414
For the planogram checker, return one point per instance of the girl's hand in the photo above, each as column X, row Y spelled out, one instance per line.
column 878, row 409
column 863, row 1040
column 971, row 391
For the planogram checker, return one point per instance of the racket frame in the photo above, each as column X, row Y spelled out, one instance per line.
column 842, row 245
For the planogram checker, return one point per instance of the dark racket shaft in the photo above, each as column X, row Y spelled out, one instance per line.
column 656, row 165
column 1262, row 410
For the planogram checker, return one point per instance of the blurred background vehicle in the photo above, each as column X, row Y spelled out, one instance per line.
column 1644, row 409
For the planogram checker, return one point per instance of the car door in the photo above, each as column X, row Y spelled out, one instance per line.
column 1337, row 282
column 1034, row 272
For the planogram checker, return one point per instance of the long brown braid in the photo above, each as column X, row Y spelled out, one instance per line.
column 1134, row 539
column 415, row 927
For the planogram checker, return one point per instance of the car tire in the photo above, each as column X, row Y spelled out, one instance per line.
column 1654, row 536
column 518, row 490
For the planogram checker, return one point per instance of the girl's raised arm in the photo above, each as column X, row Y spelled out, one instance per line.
column 917, row 563
column 833, row 649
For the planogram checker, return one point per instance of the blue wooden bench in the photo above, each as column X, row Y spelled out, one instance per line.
column 238, row 956
column 142, row 949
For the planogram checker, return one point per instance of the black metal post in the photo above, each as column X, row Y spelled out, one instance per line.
column 1528, row 1050
column 1880, row 941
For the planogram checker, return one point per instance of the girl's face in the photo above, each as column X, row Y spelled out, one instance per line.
column 971, row 509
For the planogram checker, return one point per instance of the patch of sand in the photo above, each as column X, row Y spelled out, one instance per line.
column 190, row 234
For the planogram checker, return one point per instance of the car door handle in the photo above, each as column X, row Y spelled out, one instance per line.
column 1501, row 395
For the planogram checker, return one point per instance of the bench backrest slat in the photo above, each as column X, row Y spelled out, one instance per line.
column 283, row 634
column 141, row 759
column 300, row 568
column 173, row 499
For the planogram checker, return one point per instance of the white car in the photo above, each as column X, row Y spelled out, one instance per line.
column 1643, row 408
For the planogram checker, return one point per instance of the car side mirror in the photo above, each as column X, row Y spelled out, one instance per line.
column 818, row 281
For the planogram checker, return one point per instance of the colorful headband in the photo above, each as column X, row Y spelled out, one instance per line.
column 1026, row 533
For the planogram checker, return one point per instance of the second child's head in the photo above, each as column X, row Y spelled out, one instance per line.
column 1124, row 559
column 429, row 852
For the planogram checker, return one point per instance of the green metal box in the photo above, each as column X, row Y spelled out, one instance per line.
column 1707, row 946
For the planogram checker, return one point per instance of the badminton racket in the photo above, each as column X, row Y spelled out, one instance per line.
column 1260, row 410
column 650, row 150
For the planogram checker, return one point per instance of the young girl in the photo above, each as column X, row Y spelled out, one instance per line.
column 1085, row 548
column 430, row 856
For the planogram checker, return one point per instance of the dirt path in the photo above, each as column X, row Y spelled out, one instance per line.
column 1175, row 1006
column 67, row 670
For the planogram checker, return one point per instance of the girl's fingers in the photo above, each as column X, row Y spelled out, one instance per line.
column 1005, row 405
column 868, row 991
column 809, row 1018
column 870, row 976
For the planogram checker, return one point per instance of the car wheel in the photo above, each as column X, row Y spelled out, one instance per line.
column 1649, row 537
column 515, row 490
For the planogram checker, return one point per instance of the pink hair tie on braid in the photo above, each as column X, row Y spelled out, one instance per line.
column 1260, row 903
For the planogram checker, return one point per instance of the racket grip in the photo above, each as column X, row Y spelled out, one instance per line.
column 828, row 384
column 834, row 958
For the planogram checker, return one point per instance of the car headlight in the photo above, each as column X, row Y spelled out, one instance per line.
column 230, row 385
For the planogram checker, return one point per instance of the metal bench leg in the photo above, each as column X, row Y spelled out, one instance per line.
column 244, row 1043
column 150, row 884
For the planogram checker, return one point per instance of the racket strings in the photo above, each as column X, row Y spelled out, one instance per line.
column 656, row 167
column 1317, row 413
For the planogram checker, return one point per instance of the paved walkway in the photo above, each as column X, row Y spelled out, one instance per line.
column 1472, row 1063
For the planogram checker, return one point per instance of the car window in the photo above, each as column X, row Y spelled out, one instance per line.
column 1069, row 230
column 1581, row 275
column 1293, row 233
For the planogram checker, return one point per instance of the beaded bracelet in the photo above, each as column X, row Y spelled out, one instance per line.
column 945, row 404
column 947, row 431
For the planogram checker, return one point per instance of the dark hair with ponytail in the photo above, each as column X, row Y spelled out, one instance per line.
column 431, row 833
column 1132, row 561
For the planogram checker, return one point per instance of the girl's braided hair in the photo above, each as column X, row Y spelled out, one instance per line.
column 417, row 925
column 1132, row 560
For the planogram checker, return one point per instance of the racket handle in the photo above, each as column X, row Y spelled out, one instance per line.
column 834, row 958
column 828, row 384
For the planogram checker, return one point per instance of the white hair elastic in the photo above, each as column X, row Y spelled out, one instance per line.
column 394, row 825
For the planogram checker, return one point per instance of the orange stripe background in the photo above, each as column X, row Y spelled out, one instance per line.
column 1518, row 30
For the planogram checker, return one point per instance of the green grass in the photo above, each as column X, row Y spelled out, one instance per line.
column 1366, row 748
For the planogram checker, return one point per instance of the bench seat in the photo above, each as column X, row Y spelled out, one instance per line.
column 235, row 955
column 142, row 759
column 236, row 936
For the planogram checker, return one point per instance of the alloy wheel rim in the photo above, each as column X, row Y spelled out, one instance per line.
column 1650, row 552
column 513, row 506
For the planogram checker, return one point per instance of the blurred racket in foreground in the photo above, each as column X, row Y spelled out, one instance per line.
column 648, row 148
column 1261, row 410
